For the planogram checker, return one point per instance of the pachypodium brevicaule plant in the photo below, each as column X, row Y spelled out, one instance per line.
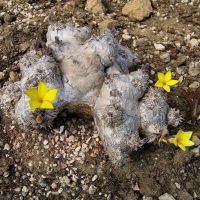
column 181, row 139
column 41, row 96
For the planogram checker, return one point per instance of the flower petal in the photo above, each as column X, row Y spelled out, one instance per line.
column 171, row 140
column 167, row 88
column 182, row 147
column 46, row 105
column 50, row 95
column 168, row 76
column 159, row 84
column 34, row 104
column 161, row 77
column 175, row 141
column 187, row 143
column 32, row 93
column 184, row 135
column 172, row 82
column 42, row 89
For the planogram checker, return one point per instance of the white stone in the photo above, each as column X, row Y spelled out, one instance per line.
column 159, row 47
column 178, row 186
column 71, row 138
column 60, row 190
column 94, row 178
column 165, row 57
column 18, row 189
column 181, row 79
column 147, row 198
column 196, row 140
column 24, row 189
column 126, row 37
column 7, row 147
column 166, row 196
column 193, row 43
column 45, row 142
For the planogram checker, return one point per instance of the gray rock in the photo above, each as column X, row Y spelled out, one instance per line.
column 24, row 190
column 141, row 42
column 166, row 196
column 181, row 60
column 194, row 68
column 196, row 151
column 92, row 189
column 165, row 57
column 194, row 85
column 137, row 9
column 196, row 140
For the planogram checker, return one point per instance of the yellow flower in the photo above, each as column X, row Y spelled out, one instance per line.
column 182, row 139
column 164, row 81
column 41, row 97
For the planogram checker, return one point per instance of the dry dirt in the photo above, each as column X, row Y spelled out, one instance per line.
column 28, row 169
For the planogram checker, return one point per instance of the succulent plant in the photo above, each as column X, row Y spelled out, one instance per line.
column 95, row 76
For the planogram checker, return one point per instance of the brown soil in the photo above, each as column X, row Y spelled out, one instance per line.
column 156, row 168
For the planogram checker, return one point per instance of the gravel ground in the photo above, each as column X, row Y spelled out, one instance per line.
column 68, row 161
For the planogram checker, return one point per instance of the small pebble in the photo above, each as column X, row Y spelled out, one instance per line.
column 196, row 140
column 194, row 85
column 194, row 68
column 159, row 47
column 53, row 185
column 181, row 79
column 196, row 151
column 147, row 198
column 166, row 196
column 71, row 138
column 126, row 37
column 193, row 43
column 178, row 186
column 94, row 178
column 165, row 57
column 18, row 189
column 24, row 189
column 45, row 142
column 92, row 189
column 7, row 147
column 85, row 187
column 60, row 190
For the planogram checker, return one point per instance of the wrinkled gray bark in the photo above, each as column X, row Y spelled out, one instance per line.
column 94, row 77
